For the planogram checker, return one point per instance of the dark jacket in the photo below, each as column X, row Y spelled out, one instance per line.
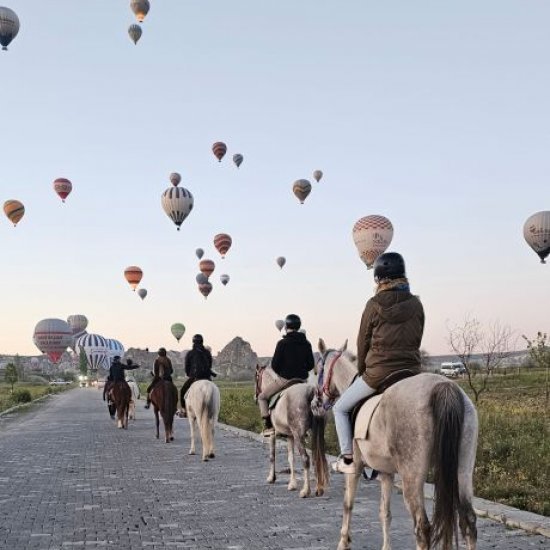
column 293, row 357
column 390, row 335
column 116, row 372
column 162, row 368
column 198, row 363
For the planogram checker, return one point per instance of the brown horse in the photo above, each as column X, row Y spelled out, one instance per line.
column 164, row 397
column 121, row 396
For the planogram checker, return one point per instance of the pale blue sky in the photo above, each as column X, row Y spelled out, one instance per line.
column 433, row 114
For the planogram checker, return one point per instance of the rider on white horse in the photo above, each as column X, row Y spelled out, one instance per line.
column 389, row 340
column 293, row 358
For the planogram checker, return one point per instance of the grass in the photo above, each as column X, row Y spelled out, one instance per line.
column 513, row 457
column 7, row 400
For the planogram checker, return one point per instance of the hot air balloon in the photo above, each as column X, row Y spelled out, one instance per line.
column 301, row 188
column 199, row 252
column 142, row 293
column 205, row 289
column 281, row 261
column 222, row 242
column 133, row 275
column 14, row 210
column 114, row 348
column 201, row 278
column 95, row 349
column 135, row 32
column 219, row 149
column 62, row 186
column 279, row 323
column 35, row 363
column 140, row 8
column 317, row 175
column 177, row 202
column 224, row 279
column 372, row 236
column 52, row 337
column 178, row 330
column 536, row 232
column 175, row 179
column 78, row 324
column 238, row 159
column 9, row 26
column 207, row 267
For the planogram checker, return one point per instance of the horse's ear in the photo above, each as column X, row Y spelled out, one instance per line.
column 344, row 347
column 322, row 347
column 258, row 367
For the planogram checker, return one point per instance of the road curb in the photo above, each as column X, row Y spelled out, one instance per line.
column 23, row 405
column 511, row 517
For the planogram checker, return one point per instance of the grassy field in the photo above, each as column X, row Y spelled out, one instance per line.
column 513, row 459
column 8, row 400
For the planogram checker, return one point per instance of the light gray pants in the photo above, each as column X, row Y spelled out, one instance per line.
column 342, row 409
column 271, row 389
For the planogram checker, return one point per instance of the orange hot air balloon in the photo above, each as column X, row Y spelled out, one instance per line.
column 207, row 267
column 133, row 275
column 14, row 210
column 219, row 149
column 62, row 186
column 222, row 242
column 205, row 289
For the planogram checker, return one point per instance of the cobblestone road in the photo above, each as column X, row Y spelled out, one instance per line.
column 70, row 479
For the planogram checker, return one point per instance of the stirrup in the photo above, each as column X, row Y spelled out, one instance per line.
column 268, row 432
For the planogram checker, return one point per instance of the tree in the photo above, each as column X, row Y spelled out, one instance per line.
column 83, row 363
column 19, row 367
column 11, row 375
column 539, row 354
column 425, row 360
column 480, row 350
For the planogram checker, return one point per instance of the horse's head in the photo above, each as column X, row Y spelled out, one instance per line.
column 332, row 379
column 258, row 376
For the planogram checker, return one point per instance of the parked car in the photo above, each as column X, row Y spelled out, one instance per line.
column 59, row 382
column 452, row 370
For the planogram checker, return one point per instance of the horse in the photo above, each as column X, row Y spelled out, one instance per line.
column 420, row 423
column 203, row 408
column 296, row 413
column 164, row 397
column 134, row 388
column 121, row 395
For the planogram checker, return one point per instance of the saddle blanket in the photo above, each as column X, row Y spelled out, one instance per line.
column 364, row 417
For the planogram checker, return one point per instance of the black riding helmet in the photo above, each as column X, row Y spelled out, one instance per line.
column 389, row 265
column 197, row 339
column 293, row 322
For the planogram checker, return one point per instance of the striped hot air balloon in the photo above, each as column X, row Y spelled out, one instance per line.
column 238, row 159
column 219, row 149
column 52, row 337
column 62, row 186
column 95, row 349
column 224, row 279
column 207, row 267
column 14, row 210
column 222, row 242
column 135, row 32
column 372, row 236
column 114, row 348
column 140, row 8
column 133, row 275
column 205, row 289
column 301, row 188
column 177, row 202
column 9, row 26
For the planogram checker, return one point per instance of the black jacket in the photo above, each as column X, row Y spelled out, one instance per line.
column 198, row 363
column 293, row 357
column 116, row 372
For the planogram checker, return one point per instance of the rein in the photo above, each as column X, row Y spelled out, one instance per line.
column 323, row 382
column 259, row 377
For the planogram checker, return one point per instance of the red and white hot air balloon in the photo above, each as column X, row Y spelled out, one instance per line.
column 133, row 275
column 205, row 289
column 372, row 235
column 62, row 186
column 53, row 337
column 219, row 149
column 222, row 242
column 207, row 267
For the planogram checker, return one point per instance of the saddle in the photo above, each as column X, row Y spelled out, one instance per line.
column 276, row 396
column 374, row 400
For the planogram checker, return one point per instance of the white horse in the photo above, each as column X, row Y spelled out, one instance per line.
column 135, row 396
column 203, row 407
column 421, row 422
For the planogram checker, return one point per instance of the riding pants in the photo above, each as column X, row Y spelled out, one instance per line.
column 184, row 390
column 270, row 390
column 342, row 409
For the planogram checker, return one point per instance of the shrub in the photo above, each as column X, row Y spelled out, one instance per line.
column 22, row 396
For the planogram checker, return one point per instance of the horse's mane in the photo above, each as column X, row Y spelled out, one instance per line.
column 349, row 357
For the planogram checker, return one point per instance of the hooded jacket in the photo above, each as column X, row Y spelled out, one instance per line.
column 389, row 336
column 198, row 363
column 293, row 357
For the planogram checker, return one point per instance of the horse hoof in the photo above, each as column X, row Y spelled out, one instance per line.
column 270, row 480
column 319, row 493
column 205, row 459
column 291, row 487
column 191, row 452
column 156, row 436
column 304, row 494
column 172, row 438
column 211, row 455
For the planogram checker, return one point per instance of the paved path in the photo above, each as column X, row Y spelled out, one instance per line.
column 70, row 479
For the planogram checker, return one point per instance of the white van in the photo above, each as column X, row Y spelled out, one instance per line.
column 451, row 370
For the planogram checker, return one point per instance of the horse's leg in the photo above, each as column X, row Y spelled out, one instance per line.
column 352, row 481
column 386, row 482
column 413, row 493
column 292, row 484
column 306, row 489
column 156, row 421
column 466, row 461
column 467, row 522
column 271, row 476
column 191, row 416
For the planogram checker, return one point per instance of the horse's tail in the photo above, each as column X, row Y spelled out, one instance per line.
column 447, row 406
column 208, row 417
column 318, row 447
column 169, row 405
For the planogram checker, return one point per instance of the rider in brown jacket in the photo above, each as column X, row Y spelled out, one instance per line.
column 389, row 340
column 162, row 370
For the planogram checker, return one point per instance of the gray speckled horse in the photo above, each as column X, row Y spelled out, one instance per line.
column 421, row 422
column 296, row 413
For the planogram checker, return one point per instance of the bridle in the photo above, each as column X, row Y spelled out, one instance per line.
column 324, row 378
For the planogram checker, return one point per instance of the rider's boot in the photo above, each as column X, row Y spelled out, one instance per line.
column 268, row 430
